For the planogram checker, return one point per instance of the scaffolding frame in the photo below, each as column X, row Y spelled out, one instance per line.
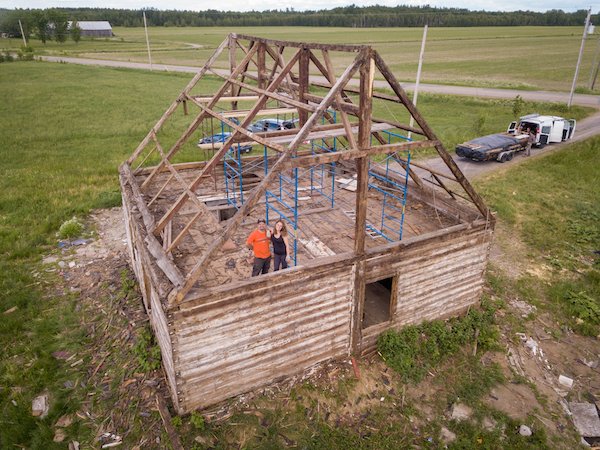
column 393, row 192
column 234, row 180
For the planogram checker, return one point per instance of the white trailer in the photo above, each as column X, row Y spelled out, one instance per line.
column 547, row 129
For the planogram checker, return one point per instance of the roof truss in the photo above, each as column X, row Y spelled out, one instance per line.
column 270, row 75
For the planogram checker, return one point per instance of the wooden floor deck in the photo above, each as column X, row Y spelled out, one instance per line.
column 322, row 230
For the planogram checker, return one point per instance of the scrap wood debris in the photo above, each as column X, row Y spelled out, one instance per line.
column 106, row 370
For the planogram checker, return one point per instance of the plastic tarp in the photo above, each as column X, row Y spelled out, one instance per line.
column 477, row 148
column 491, row 142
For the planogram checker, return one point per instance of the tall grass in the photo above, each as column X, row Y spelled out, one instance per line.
column 64, row 130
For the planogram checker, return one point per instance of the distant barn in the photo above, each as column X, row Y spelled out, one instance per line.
column 94, row 28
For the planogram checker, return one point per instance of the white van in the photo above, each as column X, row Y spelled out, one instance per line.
column 547, row 129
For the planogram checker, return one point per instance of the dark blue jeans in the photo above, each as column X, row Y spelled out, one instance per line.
column 280, row 261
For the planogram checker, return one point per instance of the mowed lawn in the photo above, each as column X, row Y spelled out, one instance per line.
column 509, row 57
column 64, row 129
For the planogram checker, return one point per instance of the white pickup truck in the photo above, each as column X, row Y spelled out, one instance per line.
column 547, row 129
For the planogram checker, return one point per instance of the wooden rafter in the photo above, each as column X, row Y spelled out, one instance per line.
column 338, row 99
column 156, row 250
column 264, row 92
column 289, row 83
column 155, row 129
column 460, row 178
column 352, row 154
column 203, row 211
column 307, row 45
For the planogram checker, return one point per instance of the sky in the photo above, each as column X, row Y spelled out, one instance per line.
column 301, row 5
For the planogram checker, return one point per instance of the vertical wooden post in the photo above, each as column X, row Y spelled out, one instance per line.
column 23, row 33
column 416, row 90
column 303, row 70
column 262, row 69
column 232, row 48
column 147, row 40
column 367, row 71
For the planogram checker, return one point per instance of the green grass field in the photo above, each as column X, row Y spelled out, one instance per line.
column 64, row 131
column 508, row 57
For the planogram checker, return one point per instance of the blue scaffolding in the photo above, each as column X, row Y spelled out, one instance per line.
column 234, row 181
column 318, row 173
column 283, row 200
column 284, row 203
column 394, row 192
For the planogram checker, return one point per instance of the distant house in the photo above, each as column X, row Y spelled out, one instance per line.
column 94, row 28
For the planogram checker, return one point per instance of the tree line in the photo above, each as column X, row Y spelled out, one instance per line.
column 46, row 22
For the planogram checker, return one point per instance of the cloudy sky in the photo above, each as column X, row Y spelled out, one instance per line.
column 245, row 5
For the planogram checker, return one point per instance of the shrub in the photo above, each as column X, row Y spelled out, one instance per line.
column 197, row 420
column 586, row 310
column 70, row 229
column 517, row 106
column 414, row 349
column 147, row 351
column 25, row 53
column 479, row 124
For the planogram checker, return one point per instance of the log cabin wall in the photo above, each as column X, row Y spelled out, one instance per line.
column 222, row 342
column 437, row 276
column 237, row 339
column 233, row 339
column 152, row 282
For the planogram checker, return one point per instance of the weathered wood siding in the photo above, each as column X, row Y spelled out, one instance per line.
column 273, row 326
column 150, row 282
column 437, row 277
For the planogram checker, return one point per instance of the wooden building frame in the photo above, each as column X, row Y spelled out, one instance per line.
column 220, row 339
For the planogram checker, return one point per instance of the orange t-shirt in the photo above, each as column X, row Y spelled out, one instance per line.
column 260, row 243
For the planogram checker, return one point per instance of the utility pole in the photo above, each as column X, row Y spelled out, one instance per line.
column 585, row 32
column 416, row 91
column 147, row 40
column 595, row 67
column 22, row 33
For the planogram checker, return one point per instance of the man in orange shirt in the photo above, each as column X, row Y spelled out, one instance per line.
column 259, row 241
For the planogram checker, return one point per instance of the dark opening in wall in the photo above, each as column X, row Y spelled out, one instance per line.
column 378, row 298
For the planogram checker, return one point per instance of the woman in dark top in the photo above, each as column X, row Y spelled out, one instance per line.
column 281, row 247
